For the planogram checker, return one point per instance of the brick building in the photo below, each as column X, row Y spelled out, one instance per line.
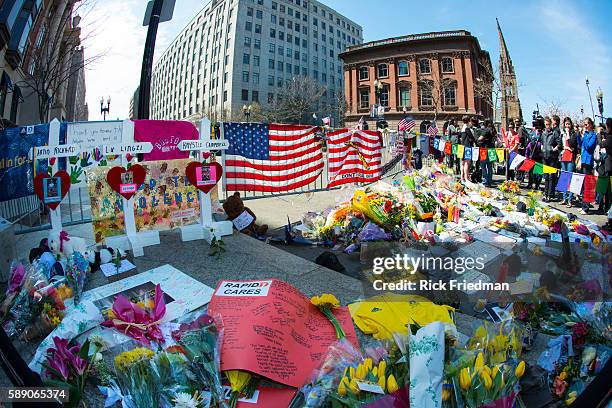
column 437, row 75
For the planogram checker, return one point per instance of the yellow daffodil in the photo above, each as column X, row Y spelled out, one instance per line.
column 382, row 382
column 342, row 391
column 486, row 379
column 479, row 363
column 392, row 384
column 353, row 387
column 520, row 369
column 325, row 300
column 481, row 332
column 238, row 379
column 127, row 359
column 465, row 379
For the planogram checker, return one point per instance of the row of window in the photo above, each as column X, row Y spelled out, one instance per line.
column 246, row 60
column 449, row 96
column 403, row 68
column 325, row 14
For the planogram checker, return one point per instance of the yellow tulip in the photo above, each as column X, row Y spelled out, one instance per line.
column 346, row 371
column 375, row 371
column 238, row 379
column 563, row 375
column 382, row 382
column 479, row 363
column 342, row 389
column 445, row 394
column 353, row 387
column 486, row 379
column 481, row 332
column 360, row 373
column 465, row 379
column 367, row 363
column 392, row 384
column 520, row 369
column 382, row 366
column 352, row 372
column 486, row 369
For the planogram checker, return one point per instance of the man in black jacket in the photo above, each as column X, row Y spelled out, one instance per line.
column 551, row 147
column 485, row 141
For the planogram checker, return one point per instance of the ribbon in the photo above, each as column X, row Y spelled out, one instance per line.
column 361, row 157
column 63, row 236
column 141, row 326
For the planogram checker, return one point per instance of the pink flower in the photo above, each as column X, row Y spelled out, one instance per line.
column 78, row 364
column 59, row 366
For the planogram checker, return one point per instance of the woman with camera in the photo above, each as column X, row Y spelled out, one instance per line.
column 569, row 141
column 589, row 142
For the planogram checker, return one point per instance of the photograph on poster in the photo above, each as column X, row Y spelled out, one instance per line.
column 52, row 188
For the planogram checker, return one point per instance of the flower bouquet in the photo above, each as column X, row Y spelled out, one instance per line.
column 138, row 384
column 326, row 303
column 139, row 321
column 200, row 341
column 16, row 279
column 68, row 365
column 509, row 188
column 76, row 274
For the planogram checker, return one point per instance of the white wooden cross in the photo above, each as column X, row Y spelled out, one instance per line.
column 207, row 228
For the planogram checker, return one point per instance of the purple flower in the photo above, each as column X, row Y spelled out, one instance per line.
column 60, row 366
column 78, row 364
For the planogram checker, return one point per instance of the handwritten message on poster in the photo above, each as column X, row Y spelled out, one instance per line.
column 280, row 336
column 106, row 206
column 166, row 200
column 91, row 135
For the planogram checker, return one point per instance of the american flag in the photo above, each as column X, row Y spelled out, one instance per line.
column 432, row 130
column 271, row 158
column 353, row 156
column 406, row 124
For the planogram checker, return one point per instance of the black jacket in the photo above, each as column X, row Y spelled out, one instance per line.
column 467, row 137
column 607, row 143
column 551, row 139
column 487, row 138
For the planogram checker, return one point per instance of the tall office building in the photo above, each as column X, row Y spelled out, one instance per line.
column 237, row 52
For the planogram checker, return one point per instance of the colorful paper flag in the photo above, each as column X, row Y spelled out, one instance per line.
column 448, row 149
column 527, row 165
column 516, row 160
column 590, row 182
column 538, row 168
column 602, row 184
column 454, row 149
column 442, row 145
column 475, row 153
column 549, row 169
column 436, row 143
column 501, row 154
column 467, row 154
column 483, row 154
column 492, row 155
column 576, row 183
column 564, row 181
column 460, row 151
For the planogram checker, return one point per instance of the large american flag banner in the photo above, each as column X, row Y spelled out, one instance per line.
column 271, row 157
column 353, row 156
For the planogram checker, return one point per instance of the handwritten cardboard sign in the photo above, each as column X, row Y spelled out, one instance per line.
column 280, row 336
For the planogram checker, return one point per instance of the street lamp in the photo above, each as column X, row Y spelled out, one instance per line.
column 378, row 88
column 104, row 110
column 600, row 105
column 247, row 111
column 590, row 99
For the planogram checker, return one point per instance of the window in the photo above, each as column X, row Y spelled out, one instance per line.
column 258, row 14
column 255, row 96
column 257, row 44
column 282, row 8
column 245, row 76
column 250, row 11
column 255, row 60
column 248, row 26
column 270, row 80
column 384, row 97
column 281, row 21
column 273, row 18
column 280, row 50
column 271, row 48
column 271, row 64
column 297, row 27
column 272, row 33
column 447, row 65
column 297, row 41
column 290, row 24
column 402, row 68
column 274, row 5
column 450, row 95
column 425, row 66
column 288, row 67
column 246, row 58
column 364, row 98
column 280, row 66
column 404, row 96
column 247, row 41
column 281, row 35
column 258, row 28
column 425, row 93
column 383, row 70
column 245, row 94
column 255, row 78
column 279, row 82
column 315, row 22
column 289, row 52
column 296, row 69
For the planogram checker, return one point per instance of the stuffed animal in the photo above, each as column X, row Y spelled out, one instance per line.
column 61, row 243
column 101, row 256
column 242, row 217
column 42, row 247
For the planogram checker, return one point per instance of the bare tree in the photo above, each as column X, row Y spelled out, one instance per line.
column 297, row 100
column 432, row 86
column 488, row 88
column 50, row 63
column 554, row 106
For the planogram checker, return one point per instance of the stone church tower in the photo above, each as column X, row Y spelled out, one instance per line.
column 511, row 106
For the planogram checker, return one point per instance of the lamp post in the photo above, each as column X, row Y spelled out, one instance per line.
column 247, row 111
column 104, row 110
column 600, row 106
column 590, row 99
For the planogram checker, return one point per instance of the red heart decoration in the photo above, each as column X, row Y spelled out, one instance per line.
column 129, row 157
column 52, row 161
column 38, row 186
column 190, row 172
column 114, row 178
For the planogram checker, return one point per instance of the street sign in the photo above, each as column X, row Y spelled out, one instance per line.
column 165, row 15
column 207, row 145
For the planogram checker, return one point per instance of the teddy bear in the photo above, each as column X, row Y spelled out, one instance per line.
column 97, row 257
column 61, row 243
column 242, row 217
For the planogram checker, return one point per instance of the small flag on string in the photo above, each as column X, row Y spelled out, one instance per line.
column 590, row 182
column 448, row 149
column 436, row 143
column 538, row 168
column 442, row 146
column 549, row 169
column 602, row 184
column 501, row 154
column 527, row 165
column 576, row 183
column 492, row 155
column 454, row 149
column 467, row 154
column 475, row 153
column 564, row 181
column 516, row 160
column 460, row 151
column 483, row 154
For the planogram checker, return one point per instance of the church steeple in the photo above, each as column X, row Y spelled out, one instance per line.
column 511, row 106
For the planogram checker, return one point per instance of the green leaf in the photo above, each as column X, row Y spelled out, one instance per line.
column 84, row 352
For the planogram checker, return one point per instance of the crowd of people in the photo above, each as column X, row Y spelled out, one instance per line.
column 562, row 144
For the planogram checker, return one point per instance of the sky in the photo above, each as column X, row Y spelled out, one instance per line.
column 554, row 44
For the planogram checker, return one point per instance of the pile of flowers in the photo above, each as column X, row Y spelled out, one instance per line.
column 510, row 187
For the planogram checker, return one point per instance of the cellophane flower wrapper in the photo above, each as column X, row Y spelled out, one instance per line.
column 426, row 352
column 503, row 402
column 76, row 274
column 372, row 232
column 15, row 282
column 175, row 375
column 137, row 386
column 326, row 378
column 201, row 342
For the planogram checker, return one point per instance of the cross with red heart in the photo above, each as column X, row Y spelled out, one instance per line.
column 114, row 178
column 39, row 190
column 191, row 170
